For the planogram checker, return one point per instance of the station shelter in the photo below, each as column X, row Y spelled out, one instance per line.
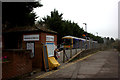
column 31, row 38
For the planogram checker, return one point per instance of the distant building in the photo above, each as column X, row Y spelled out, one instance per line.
column 105, row 40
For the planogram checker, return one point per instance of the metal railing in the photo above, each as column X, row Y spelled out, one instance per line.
column 68, row 53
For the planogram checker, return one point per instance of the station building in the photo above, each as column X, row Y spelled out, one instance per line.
column 30, row 38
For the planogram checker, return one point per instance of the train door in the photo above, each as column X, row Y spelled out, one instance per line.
column 74, row 44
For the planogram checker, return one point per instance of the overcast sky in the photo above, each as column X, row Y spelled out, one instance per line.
column 100, row 15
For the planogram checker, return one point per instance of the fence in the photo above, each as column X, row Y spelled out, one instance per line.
column 69, row 53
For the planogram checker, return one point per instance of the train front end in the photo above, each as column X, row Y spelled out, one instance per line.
column 67, row 42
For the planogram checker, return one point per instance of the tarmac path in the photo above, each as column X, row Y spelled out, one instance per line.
column 103, row 64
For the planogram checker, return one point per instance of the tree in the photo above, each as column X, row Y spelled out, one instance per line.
column 112, row 40
column 54, row 21
column 65, row 27
column 18, row 13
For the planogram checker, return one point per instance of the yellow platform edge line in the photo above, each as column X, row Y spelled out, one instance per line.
column 48, row 73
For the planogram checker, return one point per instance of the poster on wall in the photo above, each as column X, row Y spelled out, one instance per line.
column 30, row 46
column 49, row 38
column 50, row 48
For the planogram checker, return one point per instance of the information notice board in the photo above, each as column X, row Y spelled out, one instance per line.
column 50, row 48
column 30, row 46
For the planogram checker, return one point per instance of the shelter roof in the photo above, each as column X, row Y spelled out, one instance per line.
column 28, row 29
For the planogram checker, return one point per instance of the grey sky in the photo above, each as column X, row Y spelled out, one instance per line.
column 100, row 15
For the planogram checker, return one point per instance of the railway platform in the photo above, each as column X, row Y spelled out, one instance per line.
column 102, row 64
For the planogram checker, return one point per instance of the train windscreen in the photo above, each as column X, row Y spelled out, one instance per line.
column 67, row 42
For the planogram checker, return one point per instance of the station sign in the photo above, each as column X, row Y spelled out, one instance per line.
column 49, row 38
column 33, row 37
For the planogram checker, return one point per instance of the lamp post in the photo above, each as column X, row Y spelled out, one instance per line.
column 86, row 33
column 85, row 26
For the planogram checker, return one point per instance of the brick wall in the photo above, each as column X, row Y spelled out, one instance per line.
column 19, row 63
column 38, row 58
